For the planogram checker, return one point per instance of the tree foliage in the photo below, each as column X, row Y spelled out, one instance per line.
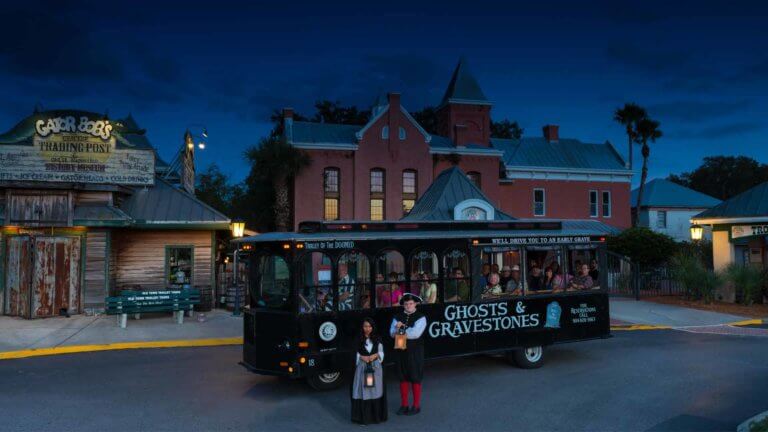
column 214, row 189
column 643, row 246
column 427, row 118
column 723, row 177
column 506, row 129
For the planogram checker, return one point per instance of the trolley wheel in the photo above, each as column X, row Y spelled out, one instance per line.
column 326, row 381
column 527, row 358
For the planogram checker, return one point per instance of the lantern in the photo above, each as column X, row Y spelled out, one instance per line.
column 697, row 231
column 370, row 378
column 237, row 227
column 400, row 339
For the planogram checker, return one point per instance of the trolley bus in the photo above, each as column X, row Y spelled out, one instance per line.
column 309, row 290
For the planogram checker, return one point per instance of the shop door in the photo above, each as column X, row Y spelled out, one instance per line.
column 43, row 276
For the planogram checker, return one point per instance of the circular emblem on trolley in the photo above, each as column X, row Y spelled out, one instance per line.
column 327, row 331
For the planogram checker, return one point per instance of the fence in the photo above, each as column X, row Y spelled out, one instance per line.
column 626, row 278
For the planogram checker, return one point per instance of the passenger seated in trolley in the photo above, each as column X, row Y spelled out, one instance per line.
column 456, row 288
column 514, row 285
column 582, row 281
column 492, row 289
column 428, row 288
column 346, row 289
column 324, row 300
column 535, row 280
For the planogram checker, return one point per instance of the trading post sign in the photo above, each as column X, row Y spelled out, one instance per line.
column 75, row 149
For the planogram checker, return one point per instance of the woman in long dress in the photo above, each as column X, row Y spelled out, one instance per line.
column 369, row 404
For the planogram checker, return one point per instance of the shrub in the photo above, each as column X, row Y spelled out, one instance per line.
column 702, row 248
column 688, row 270
column 643, row 246
column 747, row 281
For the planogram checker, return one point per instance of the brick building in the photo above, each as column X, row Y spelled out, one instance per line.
column 378, row 170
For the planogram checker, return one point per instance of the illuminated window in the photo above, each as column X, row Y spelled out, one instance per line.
column 377, row 194
column 474, row 177
column 331, row 194
column 410, row 181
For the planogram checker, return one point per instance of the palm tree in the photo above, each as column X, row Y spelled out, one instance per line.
column 628, row 116
column 277, row 162
column 647, row 130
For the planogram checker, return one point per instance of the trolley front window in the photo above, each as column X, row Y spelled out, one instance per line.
column 314, row 280
column 273, row 283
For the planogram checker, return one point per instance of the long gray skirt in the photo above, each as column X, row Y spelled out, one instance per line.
column 369, row 404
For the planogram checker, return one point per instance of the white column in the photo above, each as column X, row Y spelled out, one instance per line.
column 723, row 252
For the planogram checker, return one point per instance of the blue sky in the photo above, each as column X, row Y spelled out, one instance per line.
column 700, row 68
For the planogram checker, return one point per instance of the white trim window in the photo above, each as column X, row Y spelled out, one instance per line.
column 401, row 133
column 539, row 202
column 385, row 132
column 607, row 204
column 593, row 203
column 661, row 219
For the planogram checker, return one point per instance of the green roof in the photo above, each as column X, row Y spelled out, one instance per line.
column 448, row 189
column 464, row 88
column 565, row 153
column 664, row 193
column 323, row 133
column 751, row 203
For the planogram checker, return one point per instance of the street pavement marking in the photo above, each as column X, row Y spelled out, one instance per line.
column 37, row 352
column 746, row 322
column 635, row 327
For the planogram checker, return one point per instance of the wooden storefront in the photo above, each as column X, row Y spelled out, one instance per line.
column 86, row 213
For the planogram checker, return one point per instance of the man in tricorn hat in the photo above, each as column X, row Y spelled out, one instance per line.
column 410, row 361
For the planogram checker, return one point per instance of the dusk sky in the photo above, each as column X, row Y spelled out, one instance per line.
column 701, row 68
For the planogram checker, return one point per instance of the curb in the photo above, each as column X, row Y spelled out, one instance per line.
column 636, row 327
column 39, row 352
column 756, row 321
column 744, row 426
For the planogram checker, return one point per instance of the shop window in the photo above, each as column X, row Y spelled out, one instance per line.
column 457, row 286
column 661, row 219
column 273, row 283
column 378, row 192
column 410, row 179
column 331, row 181
column 389, row 267
column 354, row 281
column 539, row 202
column 543, row 271
column 606, row 204
column 424, row 275
column 179, row 264
column 316, row 293
column 593, row 203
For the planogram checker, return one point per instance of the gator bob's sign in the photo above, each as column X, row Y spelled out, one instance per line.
column 76, row 149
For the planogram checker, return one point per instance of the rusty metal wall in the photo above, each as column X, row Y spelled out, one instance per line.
column 18, row 277
column 39, row 209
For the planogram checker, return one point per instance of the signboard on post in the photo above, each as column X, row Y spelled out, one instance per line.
column 76, row 149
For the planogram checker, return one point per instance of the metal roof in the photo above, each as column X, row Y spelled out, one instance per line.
column 565, row 153
column 449, row 188
column 100, row 215
column 463, row 87
column 665, row 193
column 751, row 203
column 165, row 204
column 569, row 228
column 324, row 133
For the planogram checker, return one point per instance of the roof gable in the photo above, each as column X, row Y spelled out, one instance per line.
column 750, row 203
column 463, row 88
column 665, row 193
column 449, row 189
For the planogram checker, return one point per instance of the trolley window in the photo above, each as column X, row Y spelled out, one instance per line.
column 390, row 279
column 544, row 271
column 457, row 281
column 583, row 268
column 504, row 267
column 354, row 275
column 424, row 275
column 273, row 283
column 314, row 280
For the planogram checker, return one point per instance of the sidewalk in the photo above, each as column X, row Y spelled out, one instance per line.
column 632, row 311
column 21, row 334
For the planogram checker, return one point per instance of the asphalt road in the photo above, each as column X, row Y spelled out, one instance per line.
column 648, row 380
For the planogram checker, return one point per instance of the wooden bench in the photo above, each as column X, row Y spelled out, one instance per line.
column 138, row 302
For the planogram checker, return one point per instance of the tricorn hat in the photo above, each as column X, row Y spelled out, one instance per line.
column 409, row 296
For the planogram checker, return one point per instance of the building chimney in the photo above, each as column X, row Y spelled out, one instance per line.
column 551, row 133
column 287, row 113
column 394, row 100
column 288, row 124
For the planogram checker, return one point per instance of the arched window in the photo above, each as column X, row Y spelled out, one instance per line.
column 389, row 267
column 424, row 275
column 273, row 283
column 354, row 281
column 385, row 132
column 331, row 193
column 378, row 193
column 401, row 133
column 457, row 286
column 410, row 184
column 316, row 292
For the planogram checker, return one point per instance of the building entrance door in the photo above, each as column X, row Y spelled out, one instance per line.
column 43, row 276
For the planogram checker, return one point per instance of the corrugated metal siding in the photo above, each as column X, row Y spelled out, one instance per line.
column 95, row 278
column 140, row 257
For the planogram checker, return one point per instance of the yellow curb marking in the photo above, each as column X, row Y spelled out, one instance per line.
column 746, row 322
column 640, row 327
column 36, row 352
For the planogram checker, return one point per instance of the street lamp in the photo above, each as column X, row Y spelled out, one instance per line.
column 697, row 231
column 238, row 228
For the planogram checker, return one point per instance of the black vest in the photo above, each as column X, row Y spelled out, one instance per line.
column 410, row 321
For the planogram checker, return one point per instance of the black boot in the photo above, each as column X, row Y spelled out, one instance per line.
column 414, row 410
column 403, row 411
